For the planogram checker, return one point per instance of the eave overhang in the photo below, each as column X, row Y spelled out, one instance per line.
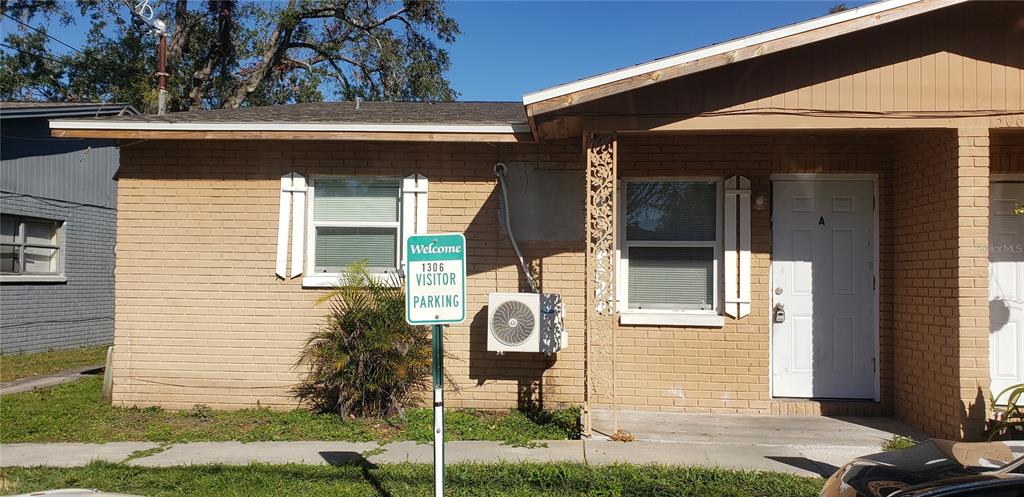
column 79, row 128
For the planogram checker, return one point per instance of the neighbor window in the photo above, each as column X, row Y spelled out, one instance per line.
column 355, row 219
column 670, row 245
column 29, row 246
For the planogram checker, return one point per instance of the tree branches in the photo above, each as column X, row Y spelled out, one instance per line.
column 231, row 53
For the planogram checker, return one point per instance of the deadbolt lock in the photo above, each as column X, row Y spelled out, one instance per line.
column 780, row 313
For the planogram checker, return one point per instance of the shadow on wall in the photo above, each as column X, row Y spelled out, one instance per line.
column 526, row 369
column 491, row 251
column 973, row 417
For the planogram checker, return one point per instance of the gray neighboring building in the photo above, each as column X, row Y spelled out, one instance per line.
column 58, row 218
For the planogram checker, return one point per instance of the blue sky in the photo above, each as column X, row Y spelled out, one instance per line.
column 511, row 48
column 508, row 49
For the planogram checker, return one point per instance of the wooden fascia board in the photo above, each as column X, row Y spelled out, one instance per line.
column 740, row 54
column 741, row 123
column 532, row 121
column 292, row 135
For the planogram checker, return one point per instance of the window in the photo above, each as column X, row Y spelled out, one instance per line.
column 355, row 219
column 29, row 246
column 670, row 246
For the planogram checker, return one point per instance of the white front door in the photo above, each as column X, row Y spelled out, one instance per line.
column 1006, row 286
column 823, row 277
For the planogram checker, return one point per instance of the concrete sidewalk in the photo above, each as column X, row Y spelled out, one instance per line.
column 802, row 445
column 805, row 460
column 49, row 380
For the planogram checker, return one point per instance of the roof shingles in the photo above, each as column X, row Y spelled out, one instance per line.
column 448, row 113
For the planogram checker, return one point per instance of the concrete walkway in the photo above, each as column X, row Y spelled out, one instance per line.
column 759, row 429
column 806, row 461
column 808, row 446
column 49, row 380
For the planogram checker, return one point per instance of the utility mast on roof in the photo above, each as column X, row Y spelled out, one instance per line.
column 145, row 12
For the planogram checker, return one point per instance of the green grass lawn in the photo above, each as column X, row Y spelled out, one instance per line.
column 74, row 412
column 13, row 367
column 411, row 480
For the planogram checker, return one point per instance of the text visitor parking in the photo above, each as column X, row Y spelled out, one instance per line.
column 443, row 286
column 435, row 279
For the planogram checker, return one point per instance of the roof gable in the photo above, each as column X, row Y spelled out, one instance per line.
column 773, row 41
column 959, row 66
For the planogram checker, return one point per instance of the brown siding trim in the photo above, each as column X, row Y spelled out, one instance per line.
column 295, row 135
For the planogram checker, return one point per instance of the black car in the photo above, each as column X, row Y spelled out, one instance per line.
column 936, row 468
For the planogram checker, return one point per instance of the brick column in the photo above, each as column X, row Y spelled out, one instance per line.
column 972, row 278
column 940, row 286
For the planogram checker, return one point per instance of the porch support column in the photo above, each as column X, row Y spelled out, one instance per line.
column 599, row 333
column 973, row 160
column 939, row 288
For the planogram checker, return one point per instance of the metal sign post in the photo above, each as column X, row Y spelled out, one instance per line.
column 435, row 294
column 438, row 412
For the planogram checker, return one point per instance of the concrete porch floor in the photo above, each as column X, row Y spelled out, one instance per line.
column 801, row 444
column 761, row 429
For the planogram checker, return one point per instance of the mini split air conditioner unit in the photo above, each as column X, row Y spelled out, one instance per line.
column 525, row 322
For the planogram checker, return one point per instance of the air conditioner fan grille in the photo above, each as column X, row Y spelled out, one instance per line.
column 512, row 323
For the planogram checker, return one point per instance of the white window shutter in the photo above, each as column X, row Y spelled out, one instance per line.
column 744, row 199
column 414, row 208
column 298, row 223
column 731, row 256
column 292, row 208
column 737, row 246
column 282, row 227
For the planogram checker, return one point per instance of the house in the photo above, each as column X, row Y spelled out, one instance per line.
column 813, row 220
column 58, row 202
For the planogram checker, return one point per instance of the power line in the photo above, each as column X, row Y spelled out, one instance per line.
column 34, row 54
column 44, row 33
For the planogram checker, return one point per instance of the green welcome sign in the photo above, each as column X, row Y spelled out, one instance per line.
column 435, row 279
column 435, row 293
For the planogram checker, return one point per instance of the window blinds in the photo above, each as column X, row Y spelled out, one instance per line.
column 678, row 278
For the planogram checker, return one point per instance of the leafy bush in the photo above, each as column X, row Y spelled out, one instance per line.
column 1010, row 419
column 898, row 442
column 200, row 411
column 366, row 361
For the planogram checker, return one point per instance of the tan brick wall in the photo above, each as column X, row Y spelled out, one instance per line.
column 201, row 317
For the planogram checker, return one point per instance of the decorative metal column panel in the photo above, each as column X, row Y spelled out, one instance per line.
column 602, row 159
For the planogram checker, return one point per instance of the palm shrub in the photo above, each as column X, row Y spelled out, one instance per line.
column 1010, row 419
column 365, row 360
